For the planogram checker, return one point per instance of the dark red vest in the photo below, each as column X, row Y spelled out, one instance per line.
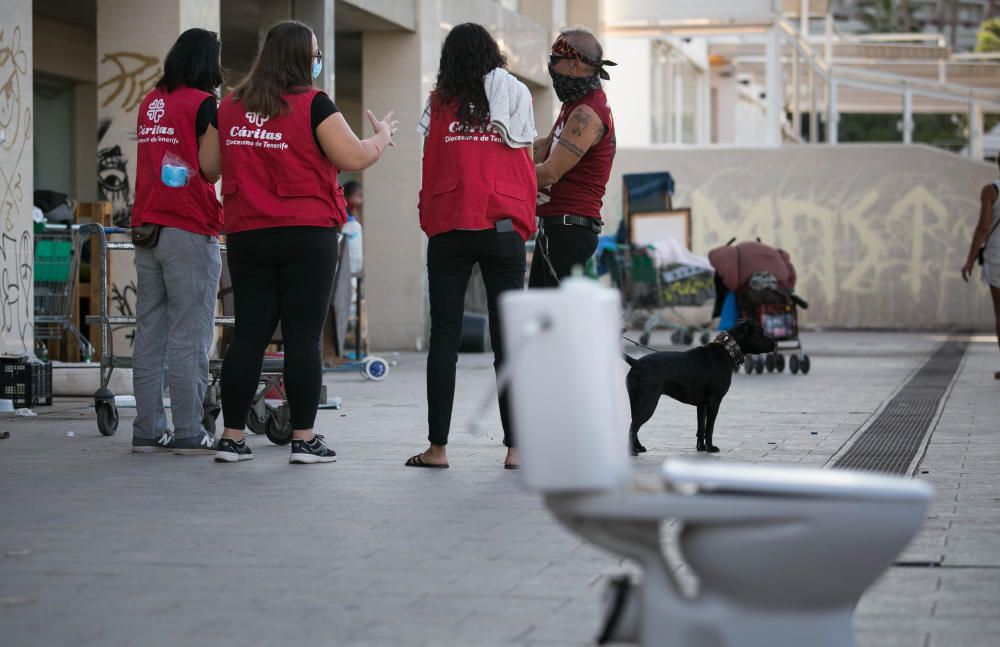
column 471, row 179
column 273, row 174
column 580, row 192
column 166, row 124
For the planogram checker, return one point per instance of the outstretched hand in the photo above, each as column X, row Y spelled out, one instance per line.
column 386, row 125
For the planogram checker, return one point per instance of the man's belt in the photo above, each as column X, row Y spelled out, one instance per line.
column 593, row 224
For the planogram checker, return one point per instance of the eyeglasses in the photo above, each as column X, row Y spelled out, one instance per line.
column 318, row 54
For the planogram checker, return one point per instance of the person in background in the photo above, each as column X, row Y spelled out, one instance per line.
column 283, row 143
column 985, row 246
column 176, row 219
column 476, row 206
column 573, row 162
column 352, row 228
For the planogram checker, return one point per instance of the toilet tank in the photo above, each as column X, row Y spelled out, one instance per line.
column 565, row 348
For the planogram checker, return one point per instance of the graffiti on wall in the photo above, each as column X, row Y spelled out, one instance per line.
column 123, row 303
column 134, row 76
column 877, row 235
column 16, row 251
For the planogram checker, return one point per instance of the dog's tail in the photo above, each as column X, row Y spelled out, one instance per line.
column 630, row 360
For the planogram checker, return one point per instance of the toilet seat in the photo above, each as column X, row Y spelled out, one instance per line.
column 716, row 477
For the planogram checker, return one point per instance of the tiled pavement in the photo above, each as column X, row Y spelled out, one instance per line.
column 102, row 547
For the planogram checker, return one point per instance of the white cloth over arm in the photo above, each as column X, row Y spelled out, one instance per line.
column 511, row 110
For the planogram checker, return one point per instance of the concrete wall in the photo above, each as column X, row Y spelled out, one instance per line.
column 16, row 181
column 878, row 233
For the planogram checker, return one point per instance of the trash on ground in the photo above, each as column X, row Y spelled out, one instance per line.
column 25, row 413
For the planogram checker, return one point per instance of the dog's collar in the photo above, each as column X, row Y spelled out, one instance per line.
column 727, row 341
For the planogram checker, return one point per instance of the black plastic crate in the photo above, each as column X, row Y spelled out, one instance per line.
column 27, row 383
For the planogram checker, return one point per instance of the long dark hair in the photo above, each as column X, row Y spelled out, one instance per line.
column 193, row 61
column 468, row 54
column 283, row 66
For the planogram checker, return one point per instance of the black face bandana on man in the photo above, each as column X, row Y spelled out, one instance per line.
column 573, row 88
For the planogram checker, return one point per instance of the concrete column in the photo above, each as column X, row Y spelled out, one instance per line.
column 813, row 108
column 774, row 84
column 319, row 14
column 398, row 73
column 833, row 116
column 976, row 151
column 828, row 39
column 16, row 179
column 550, row 14
column 804, row 18
column 907, row 116
column 589, row 13
column 797, row 92
column 133, row 38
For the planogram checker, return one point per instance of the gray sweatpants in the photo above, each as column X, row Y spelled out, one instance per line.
column 175, row 310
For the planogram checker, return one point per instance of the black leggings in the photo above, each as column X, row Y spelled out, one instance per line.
column 285, row 275
column 567, row 245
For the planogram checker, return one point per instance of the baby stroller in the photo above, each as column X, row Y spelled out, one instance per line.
column 762, row 280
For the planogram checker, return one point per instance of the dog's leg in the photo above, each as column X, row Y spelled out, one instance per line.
column 701, row 428
column 643, row 406
column 713, row 411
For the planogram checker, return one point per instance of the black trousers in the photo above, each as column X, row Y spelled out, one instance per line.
column 450, row 258
column 285, row 275
column 566, row 246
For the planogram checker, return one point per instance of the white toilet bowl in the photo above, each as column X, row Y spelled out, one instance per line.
column 781, row 554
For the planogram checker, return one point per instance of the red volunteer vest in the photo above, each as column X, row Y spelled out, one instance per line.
column 471, row 179
column 273, row 174
column 580, row 192
column 166, row 124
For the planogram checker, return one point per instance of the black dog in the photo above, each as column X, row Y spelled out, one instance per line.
column 700, row 376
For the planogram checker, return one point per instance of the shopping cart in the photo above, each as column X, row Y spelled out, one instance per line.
column 57, row 270
column 273, row 420
column 656, row 294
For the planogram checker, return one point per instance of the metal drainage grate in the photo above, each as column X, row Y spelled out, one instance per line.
column 892, row 441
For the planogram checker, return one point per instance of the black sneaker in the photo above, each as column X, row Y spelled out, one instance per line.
column 162, row 444
column 201, row 443
column 230, row 451
column 311, row 451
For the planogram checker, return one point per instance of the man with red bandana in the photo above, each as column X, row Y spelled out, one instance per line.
column 572, row 162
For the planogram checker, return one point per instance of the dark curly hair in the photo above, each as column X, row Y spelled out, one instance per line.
column 468, row 54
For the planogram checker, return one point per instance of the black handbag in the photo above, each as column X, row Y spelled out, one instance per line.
column 146, row 235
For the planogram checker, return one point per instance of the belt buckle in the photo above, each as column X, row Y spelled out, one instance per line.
column 565, row 221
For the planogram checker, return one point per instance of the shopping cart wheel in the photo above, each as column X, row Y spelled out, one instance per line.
column 759, row 365
column 375, row 369
column 769, row 363
column 107, row 418
column 278, row 427
column 688, row 337
column 779, row 362
column 804, row 364
column 254, row 423
column 793, row 364
column 705, row 338
column 209, row 416
column 748, row 365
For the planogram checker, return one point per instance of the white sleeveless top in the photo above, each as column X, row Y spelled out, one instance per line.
column 993, row 242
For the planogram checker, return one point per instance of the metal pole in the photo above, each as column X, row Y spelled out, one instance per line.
column 813, row 111
column 832, row 115
column 797, row 80
column 773, row 84
column 828, row 39
column 907, row 116
column 804, row 18
column 976, row 151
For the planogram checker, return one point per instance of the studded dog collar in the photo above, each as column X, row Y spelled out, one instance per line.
column 727, row 341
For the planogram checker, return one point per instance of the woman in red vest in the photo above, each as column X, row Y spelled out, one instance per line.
column 282, row 145
column 477, row 205
column 176, row 218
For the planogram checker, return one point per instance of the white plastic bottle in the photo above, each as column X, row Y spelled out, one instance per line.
column 352, row 229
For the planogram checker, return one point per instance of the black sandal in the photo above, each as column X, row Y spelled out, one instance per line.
column 417, row 461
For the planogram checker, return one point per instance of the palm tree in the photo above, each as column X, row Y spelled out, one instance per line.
column 887, row 16
column 988, row 39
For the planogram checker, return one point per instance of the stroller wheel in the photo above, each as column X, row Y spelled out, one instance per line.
column 748, row 365
column 759, row 365
column 779, row 362
column 804, row 365
column 769, row 363
column 793, row 364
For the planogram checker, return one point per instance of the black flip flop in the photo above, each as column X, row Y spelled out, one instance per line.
column 417, row 461
column 511, row 466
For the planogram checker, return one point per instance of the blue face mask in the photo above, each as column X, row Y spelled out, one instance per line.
column 317, row 67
